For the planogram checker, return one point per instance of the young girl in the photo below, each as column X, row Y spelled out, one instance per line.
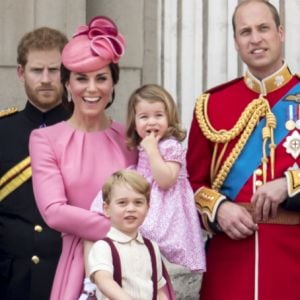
column 172, row 221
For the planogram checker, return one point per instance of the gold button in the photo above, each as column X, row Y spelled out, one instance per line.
column 38, row 228
column 258, row 172
column 35, row 259
column 258, row 183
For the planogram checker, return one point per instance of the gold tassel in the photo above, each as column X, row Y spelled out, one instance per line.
column 271, row 123
column 268, row 135
column 264, row 159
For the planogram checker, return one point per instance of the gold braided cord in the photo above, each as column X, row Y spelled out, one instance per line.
column 223, row 136
column 245, row 125
column 235, row 152
column 266, row 134
column 217, row 164
column 271, row 123
column 213, row 163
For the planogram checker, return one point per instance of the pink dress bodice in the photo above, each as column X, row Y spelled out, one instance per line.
column 69, row 167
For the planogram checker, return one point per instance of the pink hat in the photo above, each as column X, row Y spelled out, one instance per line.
column 93, row 46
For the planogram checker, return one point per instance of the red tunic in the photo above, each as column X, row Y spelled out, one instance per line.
column 230, row 263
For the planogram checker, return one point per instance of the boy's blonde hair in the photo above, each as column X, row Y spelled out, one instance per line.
column 128, row 177
column 153, row 93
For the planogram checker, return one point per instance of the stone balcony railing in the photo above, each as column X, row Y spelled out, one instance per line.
column 186, row 284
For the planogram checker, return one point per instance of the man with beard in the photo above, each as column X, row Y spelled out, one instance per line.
column 29, row 249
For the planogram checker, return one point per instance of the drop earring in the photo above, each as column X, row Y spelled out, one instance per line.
column 69, row 97
column 111, row 100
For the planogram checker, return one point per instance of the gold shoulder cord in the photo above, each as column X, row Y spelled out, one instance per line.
column 8, row 111
column 244, row 127
column 15, row 177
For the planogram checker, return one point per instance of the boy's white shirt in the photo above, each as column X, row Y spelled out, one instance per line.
column 135, row 261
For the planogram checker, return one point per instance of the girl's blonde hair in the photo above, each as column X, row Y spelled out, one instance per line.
column 153, row 93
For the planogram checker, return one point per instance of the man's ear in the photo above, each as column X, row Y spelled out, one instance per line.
column 236, row 46
column 281, row 33
column 106, row 209
column 20, row 72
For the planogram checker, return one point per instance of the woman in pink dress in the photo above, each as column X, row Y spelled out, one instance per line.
column 71, row 160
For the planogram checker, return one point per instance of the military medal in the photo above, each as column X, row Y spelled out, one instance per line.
column 290, row 123
column 298, row 117
column 292, row 144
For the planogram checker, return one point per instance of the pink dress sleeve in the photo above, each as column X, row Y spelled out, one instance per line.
column 172, row 150
column 50, row 194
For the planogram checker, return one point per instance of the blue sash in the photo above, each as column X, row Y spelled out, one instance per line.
column 250, row 157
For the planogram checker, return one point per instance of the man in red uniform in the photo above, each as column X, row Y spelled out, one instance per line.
column 243, row 161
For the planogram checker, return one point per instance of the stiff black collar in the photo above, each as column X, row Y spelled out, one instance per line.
column 50, row 117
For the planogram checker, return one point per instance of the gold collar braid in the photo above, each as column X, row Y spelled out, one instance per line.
column 245, row 125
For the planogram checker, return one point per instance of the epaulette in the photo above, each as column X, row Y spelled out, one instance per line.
column 8, row 111
column 224, row 85
column 294, row 97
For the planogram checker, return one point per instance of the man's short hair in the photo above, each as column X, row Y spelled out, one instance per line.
column 272, row 8
column 43, row 38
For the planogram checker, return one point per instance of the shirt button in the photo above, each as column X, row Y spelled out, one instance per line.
column 38, row 228
column 35, row 259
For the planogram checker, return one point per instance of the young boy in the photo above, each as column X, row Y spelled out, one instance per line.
column 126, row 197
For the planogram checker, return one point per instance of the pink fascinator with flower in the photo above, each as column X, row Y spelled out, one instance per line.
column 93, row 46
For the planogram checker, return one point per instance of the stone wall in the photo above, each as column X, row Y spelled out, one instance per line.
column 186, row 284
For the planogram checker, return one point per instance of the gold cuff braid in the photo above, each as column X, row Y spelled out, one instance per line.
column 293, row 182
column 208, row 201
